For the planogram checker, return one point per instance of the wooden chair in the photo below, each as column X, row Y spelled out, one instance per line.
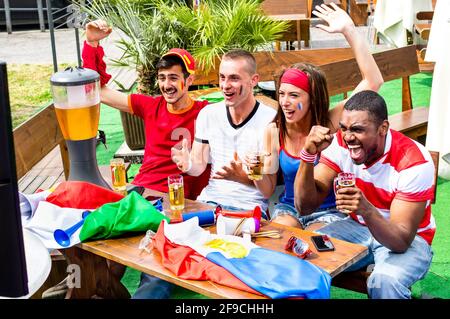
column 422, row 29
column 357, row 280
column 357, row 9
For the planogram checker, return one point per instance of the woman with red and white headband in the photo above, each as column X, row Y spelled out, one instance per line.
column 304, row 102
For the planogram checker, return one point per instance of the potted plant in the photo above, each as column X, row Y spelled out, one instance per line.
column 152, row 27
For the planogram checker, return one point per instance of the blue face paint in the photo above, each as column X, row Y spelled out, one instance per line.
column 300, row 106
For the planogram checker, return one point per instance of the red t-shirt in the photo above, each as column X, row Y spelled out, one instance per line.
column 163, row 130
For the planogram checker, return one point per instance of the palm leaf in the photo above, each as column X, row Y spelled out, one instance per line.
column 152, row 27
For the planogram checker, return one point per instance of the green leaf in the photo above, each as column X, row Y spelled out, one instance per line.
column 152, row 27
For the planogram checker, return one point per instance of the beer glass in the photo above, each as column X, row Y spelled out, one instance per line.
column 118, row 175
column 176, row 192
column 255, row 171
column 344, row 180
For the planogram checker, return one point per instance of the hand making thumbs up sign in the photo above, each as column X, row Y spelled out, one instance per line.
column 181, row 156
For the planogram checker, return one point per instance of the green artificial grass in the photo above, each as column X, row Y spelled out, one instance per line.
column 437, row 282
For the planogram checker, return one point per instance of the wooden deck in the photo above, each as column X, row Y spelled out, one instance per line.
column 44, row 174
column 49, row 171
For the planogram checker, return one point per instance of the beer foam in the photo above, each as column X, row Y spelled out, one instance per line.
column 79, row 96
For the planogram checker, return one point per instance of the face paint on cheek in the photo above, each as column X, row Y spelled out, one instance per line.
column 300, row 106
column 240, row 90
column 181, row 86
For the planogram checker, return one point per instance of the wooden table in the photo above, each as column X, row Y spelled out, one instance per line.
column 299, row 27
column 97, row 278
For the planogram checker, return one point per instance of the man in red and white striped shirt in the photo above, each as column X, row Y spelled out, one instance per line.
column 390, row 204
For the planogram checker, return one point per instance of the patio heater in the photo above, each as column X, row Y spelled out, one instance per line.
column 76, row 96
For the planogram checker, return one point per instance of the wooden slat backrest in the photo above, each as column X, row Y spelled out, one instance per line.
column 343, row 76
column 271, row 63
column 339, row 65
column 35, row 138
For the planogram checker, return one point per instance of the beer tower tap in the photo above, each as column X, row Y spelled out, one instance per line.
column 76, row 96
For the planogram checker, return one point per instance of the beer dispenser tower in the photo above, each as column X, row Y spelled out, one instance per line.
column 76, row 96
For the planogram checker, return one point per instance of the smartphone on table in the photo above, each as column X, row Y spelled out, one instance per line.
column 322, row 243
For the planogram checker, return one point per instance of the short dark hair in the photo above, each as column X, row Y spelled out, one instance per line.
column 242, row 54
column 369, row 101
column 166, row 62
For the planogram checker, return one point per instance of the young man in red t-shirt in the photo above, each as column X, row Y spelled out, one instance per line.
column 167, row 118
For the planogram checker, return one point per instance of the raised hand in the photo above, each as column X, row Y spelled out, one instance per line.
column 319, row 138
column 96, row 31
column 181, row 156
column 338, row 20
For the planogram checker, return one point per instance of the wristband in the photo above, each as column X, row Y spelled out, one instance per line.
column 307, row 157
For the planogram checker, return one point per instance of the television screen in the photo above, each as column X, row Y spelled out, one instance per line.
column 13, row 272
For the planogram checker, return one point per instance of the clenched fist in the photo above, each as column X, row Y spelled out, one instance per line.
column 319, row 138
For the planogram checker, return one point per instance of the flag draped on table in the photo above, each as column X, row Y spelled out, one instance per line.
column 83, row 195
column 111, row 213
column 205, row 256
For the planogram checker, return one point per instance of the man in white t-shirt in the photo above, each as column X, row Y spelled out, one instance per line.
column 225, row 133
column 390, row 203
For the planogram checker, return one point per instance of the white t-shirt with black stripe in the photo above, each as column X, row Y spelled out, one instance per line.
column 215, row 127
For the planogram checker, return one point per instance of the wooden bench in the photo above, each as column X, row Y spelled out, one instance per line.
column 342, row 73
column 36, row 138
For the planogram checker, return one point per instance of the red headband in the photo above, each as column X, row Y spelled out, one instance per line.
column 297, row 78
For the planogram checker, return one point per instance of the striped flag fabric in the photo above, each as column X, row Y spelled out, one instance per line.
column 238, row 263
